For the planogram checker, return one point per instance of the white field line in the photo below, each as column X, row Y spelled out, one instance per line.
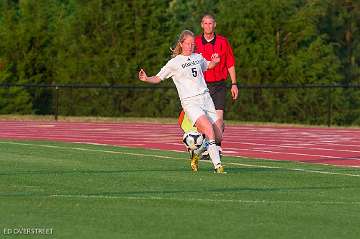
column 288, row 153
column 270, row 149
column 167, row 157
column 312, row 148
column 218, row 200
column 279, row 160
column 288, row 141
column 296, row 169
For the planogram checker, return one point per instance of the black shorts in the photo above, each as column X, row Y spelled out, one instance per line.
column 218, row 94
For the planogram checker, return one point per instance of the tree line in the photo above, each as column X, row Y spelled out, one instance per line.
column 107, row 41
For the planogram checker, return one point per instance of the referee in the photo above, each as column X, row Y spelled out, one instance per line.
column 207, row 44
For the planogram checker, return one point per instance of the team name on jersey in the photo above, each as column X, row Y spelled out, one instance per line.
column 187, row 64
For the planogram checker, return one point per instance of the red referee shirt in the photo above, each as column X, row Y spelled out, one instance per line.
column 221, row 46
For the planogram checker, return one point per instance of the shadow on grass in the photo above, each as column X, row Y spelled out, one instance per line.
column 159, row 193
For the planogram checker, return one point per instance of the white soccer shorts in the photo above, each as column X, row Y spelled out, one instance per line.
column 199, row 105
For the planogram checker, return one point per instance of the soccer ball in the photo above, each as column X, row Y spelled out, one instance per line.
column 193, row 140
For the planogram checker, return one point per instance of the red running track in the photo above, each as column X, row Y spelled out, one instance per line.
column 313, row 145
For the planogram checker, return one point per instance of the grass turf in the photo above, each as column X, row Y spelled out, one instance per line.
column 92, row 191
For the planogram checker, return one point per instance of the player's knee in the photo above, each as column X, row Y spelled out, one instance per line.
column 209, row 133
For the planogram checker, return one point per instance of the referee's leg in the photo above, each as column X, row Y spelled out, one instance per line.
column 220, row 123
column 218, row 95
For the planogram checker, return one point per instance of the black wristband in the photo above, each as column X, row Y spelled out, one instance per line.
column 233, row 83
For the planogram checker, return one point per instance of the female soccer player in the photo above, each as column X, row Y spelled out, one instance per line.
column 186, row 69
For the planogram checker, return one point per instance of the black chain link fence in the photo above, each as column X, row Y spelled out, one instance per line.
column 333, row 104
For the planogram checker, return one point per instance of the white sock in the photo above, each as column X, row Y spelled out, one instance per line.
column 214, row 154
column 202, row 148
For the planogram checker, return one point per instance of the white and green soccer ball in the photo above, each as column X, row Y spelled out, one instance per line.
column 193, row 140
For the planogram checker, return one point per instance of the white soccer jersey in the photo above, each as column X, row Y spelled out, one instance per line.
column 187, row 74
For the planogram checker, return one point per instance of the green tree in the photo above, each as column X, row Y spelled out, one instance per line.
column 278, row 42
column 12, row 100
column 341, row 24
column 106, row 42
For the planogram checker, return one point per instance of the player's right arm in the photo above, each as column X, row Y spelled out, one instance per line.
column 206, row 65
column 215, row 59
column 149, row 79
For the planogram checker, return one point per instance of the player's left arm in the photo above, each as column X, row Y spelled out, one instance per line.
column 230, row 63
column 234, row 87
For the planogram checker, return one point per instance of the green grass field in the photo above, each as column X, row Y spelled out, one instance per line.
column 91, row 191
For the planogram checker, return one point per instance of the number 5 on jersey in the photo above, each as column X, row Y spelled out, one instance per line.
column 194, row 72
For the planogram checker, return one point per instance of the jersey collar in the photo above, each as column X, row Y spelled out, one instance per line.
column 204, row 41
